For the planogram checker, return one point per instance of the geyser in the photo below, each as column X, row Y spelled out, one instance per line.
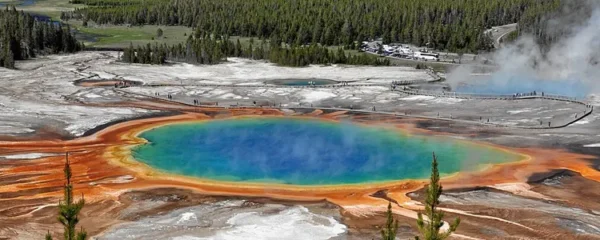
column 305, row 152
column 568, row 65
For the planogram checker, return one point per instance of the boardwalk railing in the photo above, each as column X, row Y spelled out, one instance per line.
column 588, row 107
column 587, row 112
column 337, row 85
column 487, row 96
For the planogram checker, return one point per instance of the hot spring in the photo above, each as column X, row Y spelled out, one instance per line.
column 507, row 84
column 306, row 152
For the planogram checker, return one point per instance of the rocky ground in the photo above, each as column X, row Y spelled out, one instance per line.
column 45, row 100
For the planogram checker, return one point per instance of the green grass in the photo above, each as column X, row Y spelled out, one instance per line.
column 122, row 36
column 115, row 36
column 108, row 36
column 51, row 8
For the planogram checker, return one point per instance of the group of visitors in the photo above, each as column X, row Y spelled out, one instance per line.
column 534, row 93
column 122, row 84
column 157, row 94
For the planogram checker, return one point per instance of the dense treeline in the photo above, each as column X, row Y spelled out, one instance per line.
column 441, row 24
column 23, row 37
column 314, row 54
column 196, row 50
column 206, row 49
column 550, row 22
column 145, row 54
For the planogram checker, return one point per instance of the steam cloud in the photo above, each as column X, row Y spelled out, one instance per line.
column 568, row 67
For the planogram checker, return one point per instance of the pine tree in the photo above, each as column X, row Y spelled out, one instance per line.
column 391, row 225
column 238, row 49
column 431, row 229
column 9, row 60
column 68, row 210
column 23, row 37
column 461, row 53
column 127, row 54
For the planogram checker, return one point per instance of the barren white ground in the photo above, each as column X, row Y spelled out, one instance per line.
column 41, row 95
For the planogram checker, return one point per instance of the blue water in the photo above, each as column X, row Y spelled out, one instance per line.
column 304, row 152
column 24, row 3
column 508, row 84
column 21, row 3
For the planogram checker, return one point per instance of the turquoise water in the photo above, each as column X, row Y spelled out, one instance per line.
column 510, row 83
column 305, row 152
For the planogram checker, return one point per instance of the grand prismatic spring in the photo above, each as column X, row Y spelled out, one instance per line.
column 303, row 162
column 306, row 152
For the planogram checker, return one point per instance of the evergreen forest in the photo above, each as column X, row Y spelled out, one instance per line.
column 206, row 49
column 22, row 36
column 440, row 24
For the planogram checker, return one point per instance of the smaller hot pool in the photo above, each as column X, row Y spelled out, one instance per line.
column 499, row 84
column 301, row 82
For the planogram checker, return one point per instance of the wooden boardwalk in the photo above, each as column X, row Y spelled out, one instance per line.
column 338, row 85
column 589, row 109
column 488, row 96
